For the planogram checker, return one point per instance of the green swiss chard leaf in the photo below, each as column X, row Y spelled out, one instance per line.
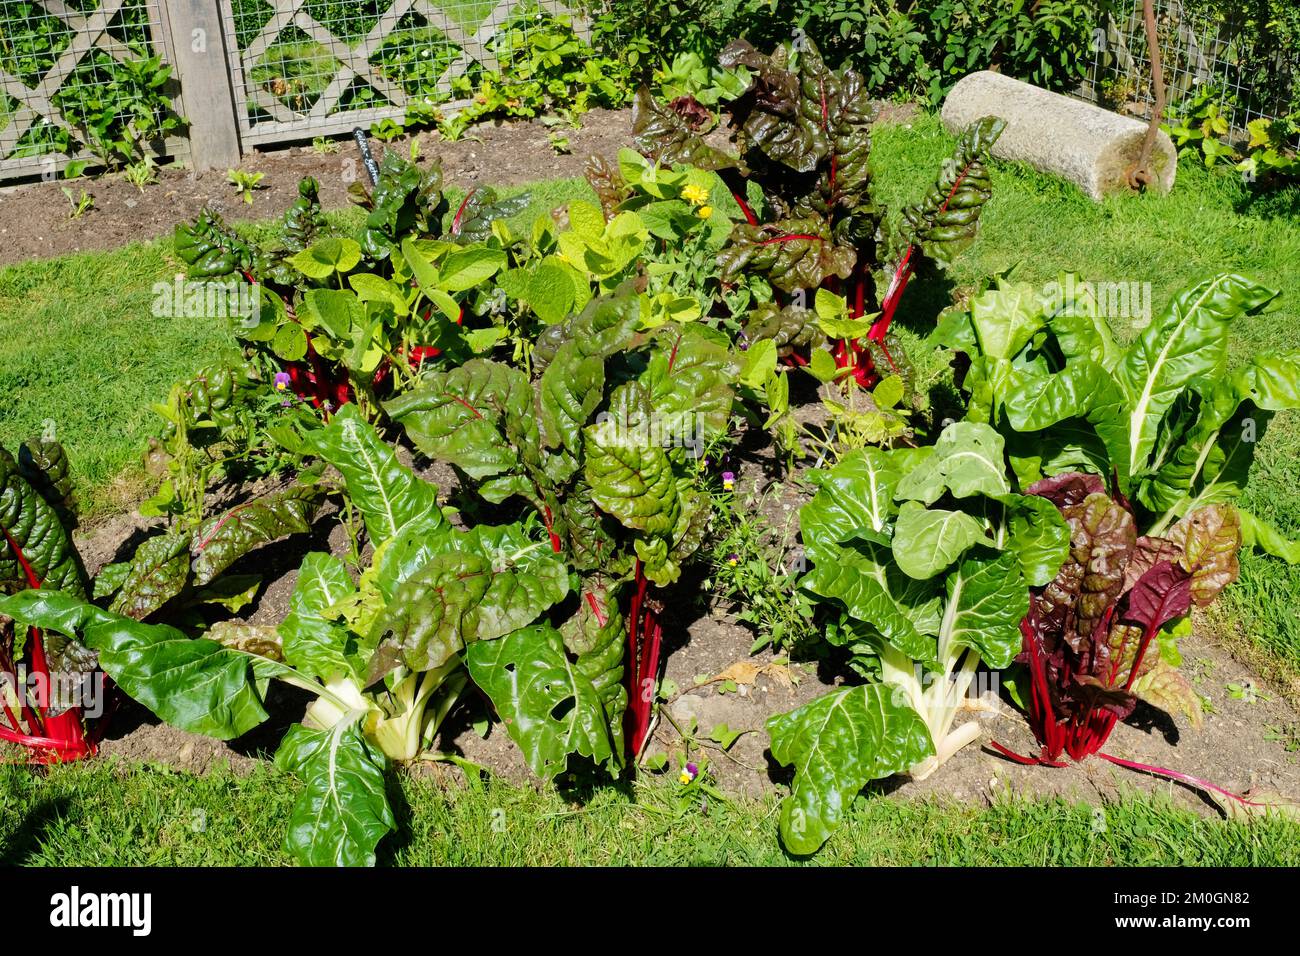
column 45, row 465
column 386, row 492
column 494, row 582
column 791, row 253
column 945, row 222
column 927, row 540
column 159, row 570
column 631, row 479
column 343, row 811
column 192, row 683
column 313, row 643
column 664, row 137
column 864, row 580
column 222, row 540
column 986, row 600
column 36, row 549
column 967, row 460
column 550, row 708
column 1183, row 348
column 456, row 416
column 838, row 744
column 1038, row 536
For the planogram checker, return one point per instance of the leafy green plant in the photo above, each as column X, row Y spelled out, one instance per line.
column 245, row 183
column 544, row 67
column 1266, row 158
column 429, row 592
column 170, row 573
column 603, row 444
column 925, row 556
column 756, row 570
column 78, row 205
column 804, row 141
column 120, row 107
column 1165, row 421
column 919, row 50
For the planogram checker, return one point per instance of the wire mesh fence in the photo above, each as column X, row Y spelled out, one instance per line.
column 1202, row 51
column 312, row 67
column 77, row 80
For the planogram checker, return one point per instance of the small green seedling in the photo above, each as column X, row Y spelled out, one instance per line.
column 245, row 183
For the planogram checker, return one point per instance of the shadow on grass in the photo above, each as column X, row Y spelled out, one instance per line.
column 28, row 837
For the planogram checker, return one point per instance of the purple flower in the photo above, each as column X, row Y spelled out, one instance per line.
column 728, row 480
column 282, row 381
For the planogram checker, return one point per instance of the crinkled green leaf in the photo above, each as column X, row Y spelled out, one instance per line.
column 838, row 744
column 158, row 571
column 342, row 812
column 856, row 494
column 1038, row 536
column 386, row 492
column 663, row 136
column 631, row 479
column 945, row 222
column 791, row 253
column 33, row 540
column 45, row 465
column 224, row 539
column 863, row 579
column 986, row 600
column 549, row 707
column 314, row 644
column 456, row 415
column 494, row 582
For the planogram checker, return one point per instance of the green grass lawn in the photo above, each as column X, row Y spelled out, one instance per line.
column 102, row 814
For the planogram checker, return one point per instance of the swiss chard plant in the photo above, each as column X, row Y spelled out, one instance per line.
column 803, row 134
column 924, row 558
column 1166, row 421
column 604, row 444
column 353, row 319
column 1100, row 635
column 384, row 654
column 169, row 574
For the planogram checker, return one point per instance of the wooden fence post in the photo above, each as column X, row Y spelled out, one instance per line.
column 199, row 48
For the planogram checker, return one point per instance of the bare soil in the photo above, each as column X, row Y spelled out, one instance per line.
column 34, row 221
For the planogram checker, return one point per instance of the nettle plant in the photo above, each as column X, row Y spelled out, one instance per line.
column 923, row 558
column 803, row 179
column 604, row 442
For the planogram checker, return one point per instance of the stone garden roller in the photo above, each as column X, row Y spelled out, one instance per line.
column 1093, row 148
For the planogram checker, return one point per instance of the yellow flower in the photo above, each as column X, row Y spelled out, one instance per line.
column 695, row 195
column 704, row 212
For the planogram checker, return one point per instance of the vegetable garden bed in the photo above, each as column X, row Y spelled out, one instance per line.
column 484, row 497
